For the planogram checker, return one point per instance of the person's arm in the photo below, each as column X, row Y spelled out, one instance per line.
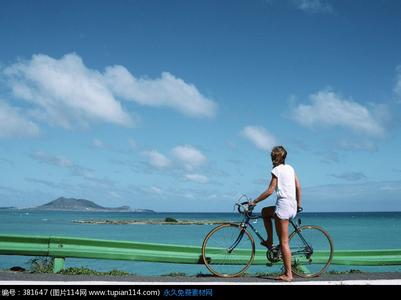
column 298, row 191
column 270, row 190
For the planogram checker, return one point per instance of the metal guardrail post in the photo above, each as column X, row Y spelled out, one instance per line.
column 58, row 264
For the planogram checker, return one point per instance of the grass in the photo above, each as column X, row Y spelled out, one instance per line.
column 45, row 265
column 41, row 265
column 86, row 271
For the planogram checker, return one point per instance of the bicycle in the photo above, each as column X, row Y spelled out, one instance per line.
column 229, row 249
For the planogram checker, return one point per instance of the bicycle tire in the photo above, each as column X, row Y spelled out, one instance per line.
column 313, row 265
column 216, row 257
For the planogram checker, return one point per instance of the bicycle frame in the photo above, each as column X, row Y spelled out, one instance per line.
column 246, row 223
column 216, row 255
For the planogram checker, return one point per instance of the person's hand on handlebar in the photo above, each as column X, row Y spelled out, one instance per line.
column 252, row 203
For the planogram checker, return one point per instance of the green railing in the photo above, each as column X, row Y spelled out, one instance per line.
column 70, row 247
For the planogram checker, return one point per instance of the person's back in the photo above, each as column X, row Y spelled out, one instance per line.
column 286, row 203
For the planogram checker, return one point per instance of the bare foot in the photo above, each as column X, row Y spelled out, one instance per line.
column 285, row 278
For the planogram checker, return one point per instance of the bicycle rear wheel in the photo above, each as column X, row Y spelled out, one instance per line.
column 311, row 251
column 228, row 250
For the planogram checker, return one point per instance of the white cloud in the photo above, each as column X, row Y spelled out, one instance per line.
column 64, row 91
column 12, row 124
column 197, row 178
column 189, row 155
column 156, row 190
column 183, row 158
column 98, row 144
column 115, row 194
column 167, row 91
column 360, row 197
column 397, row 88
column 331, row 110
column 133, row 145
column 350, row 176
column 54, row 160
column 157, row 160
column 74, row 169
column 260, row 137
column 313, row 6
column 354, row 145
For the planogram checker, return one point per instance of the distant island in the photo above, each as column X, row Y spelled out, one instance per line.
column 8, row 208
column 72, row 204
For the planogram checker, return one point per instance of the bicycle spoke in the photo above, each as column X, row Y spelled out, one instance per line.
column 311, row 251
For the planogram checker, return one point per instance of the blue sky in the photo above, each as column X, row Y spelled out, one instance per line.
column 175, row 105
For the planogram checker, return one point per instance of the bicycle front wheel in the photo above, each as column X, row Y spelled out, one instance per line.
column 228, row 250
column 311, row 251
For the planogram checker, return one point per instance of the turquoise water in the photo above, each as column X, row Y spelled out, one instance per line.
column 348, row 230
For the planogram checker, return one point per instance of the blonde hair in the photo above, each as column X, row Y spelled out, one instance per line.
column 278, row 155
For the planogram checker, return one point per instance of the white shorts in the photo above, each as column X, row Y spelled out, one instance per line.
column 286, row 210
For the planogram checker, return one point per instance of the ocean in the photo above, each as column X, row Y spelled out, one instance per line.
column 374, row 230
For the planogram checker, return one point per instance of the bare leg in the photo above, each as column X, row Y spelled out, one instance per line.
column 268, row 215
column 282, row 231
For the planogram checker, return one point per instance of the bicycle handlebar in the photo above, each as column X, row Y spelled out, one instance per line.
column 245, row 208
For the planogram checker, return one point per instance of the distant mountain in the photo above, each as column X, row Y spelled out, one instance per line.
column 73, row 204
